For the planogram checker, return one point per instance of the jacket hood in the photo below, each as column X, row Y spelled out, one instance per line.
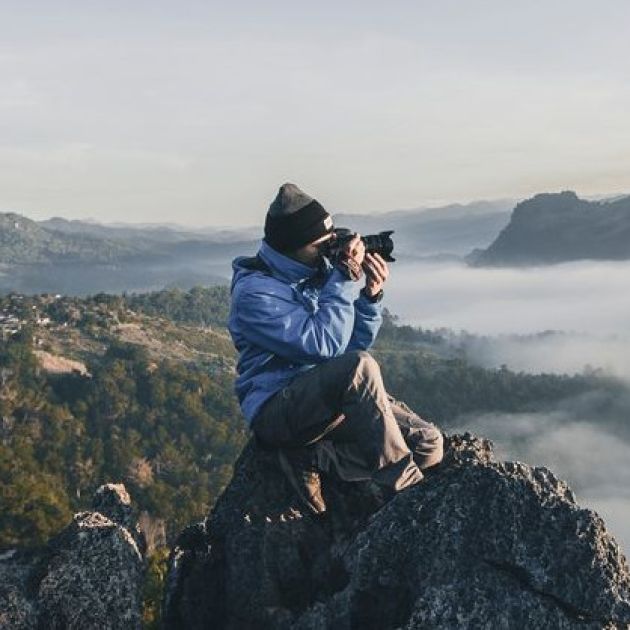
column 281, row 266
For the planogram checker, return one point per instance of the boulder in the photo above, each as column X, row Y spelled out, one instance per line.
column 89, row 576
column 478, row 543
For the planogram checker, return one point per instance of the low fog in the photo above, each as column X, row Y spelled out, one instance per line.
column 579, row 445
column 555, row 352
column 587, row 303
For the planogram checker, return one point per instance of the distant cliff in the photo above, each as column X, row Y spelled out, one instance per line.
column 478, row 544
column 556, row 227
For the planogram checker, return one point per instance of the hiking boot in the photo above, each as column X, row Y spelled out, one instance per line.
column 301, row 471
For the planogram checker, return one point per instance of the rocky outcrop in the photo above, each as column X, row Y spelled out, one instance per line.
column 478, row 544
column 88, row 577
column 556, row 227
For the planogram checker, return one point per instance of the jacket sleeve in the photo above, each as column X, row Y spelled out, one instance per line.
column 367, row 322
column 272, row 317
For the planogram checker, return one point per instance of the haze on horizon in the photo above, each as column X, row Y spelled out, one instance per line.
column 195, row 113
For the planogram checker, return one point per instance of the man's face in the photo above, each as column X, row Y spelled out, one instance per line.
column 311, row 254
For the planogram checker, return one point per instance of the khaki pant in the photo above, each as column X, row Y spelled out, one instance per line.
column 340, row 408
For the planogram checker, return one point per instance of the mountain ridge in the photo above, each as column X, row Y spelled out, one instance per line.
column 552, row 228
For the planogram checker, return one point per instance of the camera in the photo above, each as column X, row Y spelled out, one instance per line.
column 381, row 243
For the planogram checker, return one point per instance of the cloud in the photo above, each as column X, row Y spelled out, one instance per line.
column 559, row 353
column 588, row 301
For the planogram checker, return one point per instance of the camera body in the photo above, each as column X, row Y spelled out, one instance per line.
column 381, row 243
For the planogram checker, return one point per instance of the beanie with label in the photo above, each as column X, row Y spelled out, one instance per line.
column 294, row 219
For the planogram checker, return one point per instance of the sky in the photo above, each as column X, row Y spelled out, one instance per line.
column 196, row 112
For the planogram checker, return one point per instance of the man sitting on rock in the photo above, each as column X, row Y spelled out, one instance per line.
column 306, row 383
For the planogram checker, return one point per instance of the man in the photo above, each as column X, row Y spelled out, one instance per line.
column 306, row 383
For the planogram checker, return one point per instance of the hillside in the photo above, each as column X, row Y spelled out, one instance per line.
column 23, row 241
column 452, row 230
column 77, row 258
column 93, row 391
column 556, row 227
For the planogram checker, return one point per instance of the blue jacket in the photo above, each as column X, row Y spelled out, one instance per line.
column 289, row 317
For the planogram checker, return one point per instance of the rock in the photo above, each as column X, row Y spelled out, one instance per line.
column 16, row 610
column 89, row 576
column 478, row 544
column 113, row 500
column 552, row 228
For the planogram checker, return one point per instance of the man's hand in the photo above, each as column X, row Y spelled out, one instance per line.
column 353, row 255
column 355, row 249
column 376, row 274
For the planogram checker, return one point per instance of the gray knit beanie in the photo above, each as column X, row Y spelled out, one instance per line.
column 295, row 219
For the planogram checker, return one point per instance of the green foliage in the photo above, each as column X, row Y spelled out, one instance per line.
column 154, row 587
column 392, row 333
column 33, row 505
column 442, row 389
column 169, row 431
column 203, row 306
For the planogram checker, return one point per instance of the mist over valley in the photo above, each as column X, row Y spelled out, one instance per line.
column 559, row 318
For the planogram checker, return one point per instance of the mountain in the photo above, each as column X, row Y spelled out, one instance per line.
column 556, row 227
column 479, row 543
column 137, row 233
column 453, row 229
column 81, row 257
column 149, row 233
column 23, row 241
